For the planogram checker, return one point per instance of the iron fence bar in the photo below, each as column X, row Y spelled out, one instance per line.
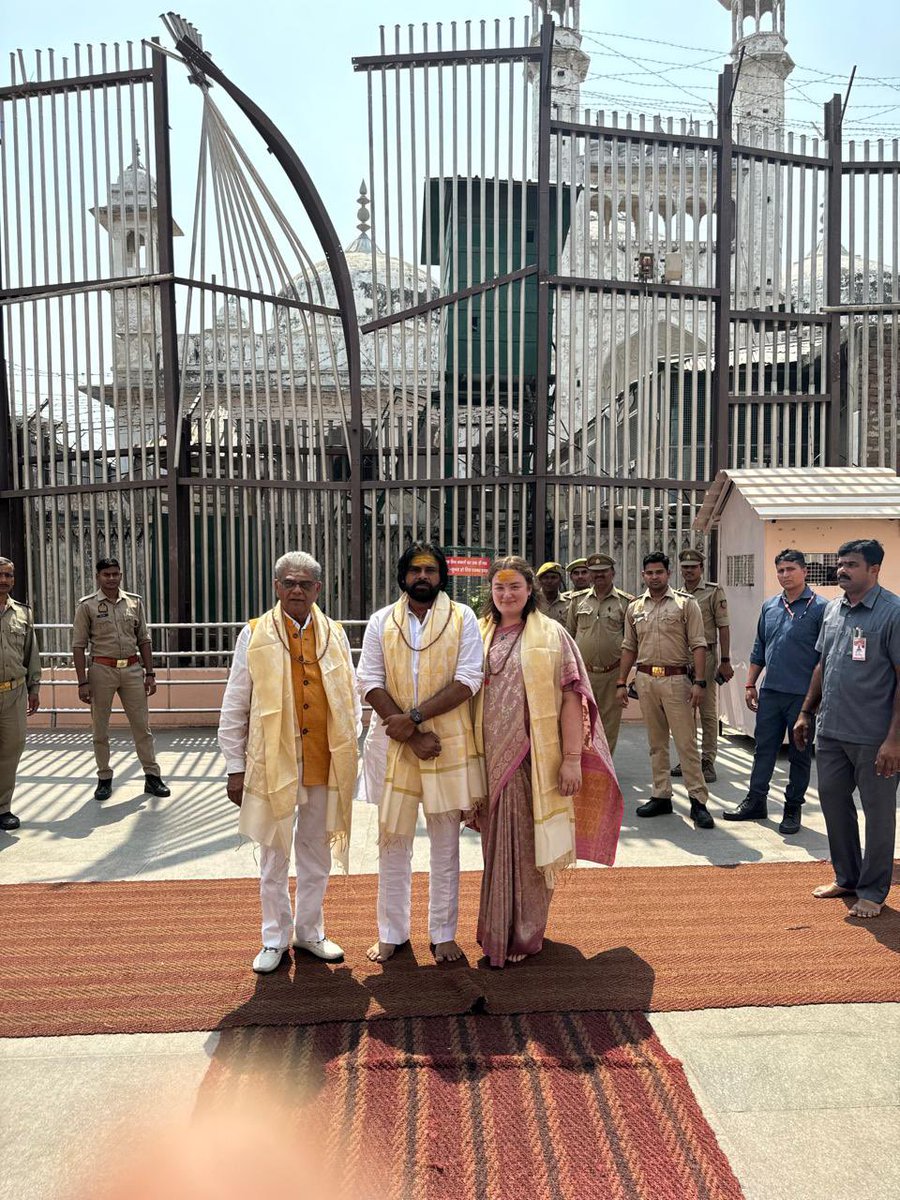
column 264, row 297
column 792, row 398
column 630, row 286
column 543, row 529
column 835, row 453
column 176, row 497
column 870, row 166
column 477, row 289
column 444, row 58
column 627, row 133
column 770, row 154
column 75, row 83
column 719, row 411
column 48, row 290
column 771, row 315
column 71, row 489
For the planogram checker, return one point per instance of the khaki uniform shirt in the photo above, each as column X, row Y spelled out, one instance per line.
column 664, row 631
column 114, row 628
column 558, row 610
column 713, row 608
column 15, row 640
column 598, row 626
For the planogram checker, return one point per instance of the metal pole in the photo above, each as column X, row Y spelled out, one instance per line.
column 12, row 510
column 543, row 533
column 176, row 496
column 835, row 453
column 724, row 237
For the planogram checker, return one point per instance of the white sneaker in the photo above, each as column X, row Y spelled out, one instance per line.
column 267, row 960
column 325, row 949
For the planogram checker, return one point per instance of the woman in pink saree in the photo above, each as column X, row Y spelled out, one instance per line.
column 536, row 723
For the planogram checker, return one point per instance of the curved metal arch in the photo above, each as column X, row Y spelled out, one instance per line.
column 199, row 62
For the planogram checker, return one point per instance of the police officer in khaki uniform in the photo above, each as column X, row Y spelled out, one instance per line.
column 112, row 621
column 548, row 597
column 579, row 577
column 20, row 679
column 664, row 634
column 714, row 610
column 596, row 621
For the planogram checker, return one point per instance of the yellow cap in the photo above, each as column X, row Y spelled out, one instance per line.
column 546, row 567
column 576, row 562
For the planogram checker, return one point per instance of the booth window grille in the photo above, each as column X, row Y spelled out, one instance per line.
column 740, row 570
column 821, row 569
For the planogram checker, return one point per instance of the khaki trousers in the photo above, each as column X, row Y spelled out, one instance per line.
column 129, row 683
column 13, row 707
column 666, row 706
column 604, row 689
column 709, row 710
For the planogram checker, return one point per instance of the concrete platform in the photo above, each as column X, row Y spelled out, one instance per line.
column 805, row 1101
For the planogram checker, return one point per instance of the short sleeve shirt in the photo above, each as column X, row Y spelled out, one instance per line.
column 15, row 622
column 598, row 626
column 113, row 628
column 558, row 609
column 858, row 694
column 664, row 632
column 713, row 607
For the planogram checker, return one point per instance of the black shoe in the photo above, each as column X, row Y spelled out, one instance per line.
column 9, row 821
column 656, row 806
column 708, row 768
column 103, row 790
column 790, row 822
column 677, row 771
column 154, row 786
column 701, row 815
column 748, row 810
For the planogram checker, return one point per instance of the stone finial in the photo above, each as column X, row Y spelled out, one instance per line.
column 363, row 212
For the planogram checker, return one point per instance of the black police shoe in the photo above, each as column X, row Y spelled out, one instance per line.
column 677, row 771
column 154, row 786
column 103, row 790
column 749, row 809
column 790, row 821
column 656, row 806
column 9, row 821
column 701, row 815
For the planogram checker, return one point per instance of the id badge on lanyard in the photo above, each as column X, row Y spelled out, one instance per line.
column 858, row 653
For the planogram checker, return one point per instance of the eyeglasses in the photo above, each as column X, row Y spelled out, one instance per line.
column 298, row 585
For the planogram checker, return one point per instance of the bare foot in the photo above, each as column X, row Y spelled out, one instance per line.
column 380, row 951
column 828, row 891
column 516, row 957
column 447, row 952
column 865, row 909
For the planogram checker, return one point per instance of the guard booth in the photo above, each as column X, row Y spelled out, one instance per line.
column 757, row 512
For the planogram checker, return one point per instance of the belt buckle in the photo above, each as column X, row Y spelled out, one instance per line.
column 658, row 672
column 6, row 686
column 121, row 663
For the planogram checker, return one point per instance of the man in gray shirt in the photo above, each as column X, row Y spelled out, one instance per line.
column 854, row 688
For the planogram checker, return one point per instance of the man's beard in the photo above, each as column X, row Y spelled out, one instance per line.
column 423, row 592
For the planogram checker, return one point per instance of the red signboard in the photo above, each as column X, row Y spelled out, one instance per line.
column 477, row 567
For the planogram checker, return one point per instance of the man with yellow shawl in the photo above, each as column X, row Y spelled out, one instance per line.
column 420, row 665
column 289, row 733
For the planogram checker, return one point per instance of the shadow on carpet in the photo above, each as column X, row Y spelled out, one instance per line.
column 564, row 1105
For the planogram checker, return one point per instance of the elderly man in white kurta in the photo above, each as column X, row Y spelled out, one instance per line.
column 421, row 663
column 289, row 730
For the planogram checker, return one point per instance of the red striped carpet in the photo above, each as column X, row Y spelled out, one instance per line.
column 563, row 1106
column 175, row 955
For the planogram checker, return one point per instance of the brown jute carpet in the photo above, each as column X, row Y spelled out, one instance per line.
column 541, row 1105
column 170, row 956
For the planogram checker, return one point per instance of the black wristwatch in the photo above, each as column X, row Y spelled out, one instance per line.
column 700, row 682
column 415, row 716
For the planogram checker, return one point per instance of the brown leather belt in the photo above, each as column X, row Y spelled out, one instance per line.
column 604, row 670
column 116, row 662
column 11, row 685
column 662, row 672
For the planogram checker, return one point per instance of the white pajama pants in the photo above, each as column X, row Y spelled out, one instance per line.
column 312, row 855
column 395, row 884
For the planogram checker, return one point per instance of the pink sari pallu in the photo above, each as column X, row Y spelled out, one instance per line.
column 598, row 811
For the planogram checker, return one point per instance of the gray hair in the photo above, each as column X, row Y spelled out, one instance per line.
column 7, row 562
column 297, row 560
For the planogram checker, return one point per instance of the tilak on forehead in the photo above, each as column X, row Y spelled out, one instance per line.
column 425, row 560
column 507, row 575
